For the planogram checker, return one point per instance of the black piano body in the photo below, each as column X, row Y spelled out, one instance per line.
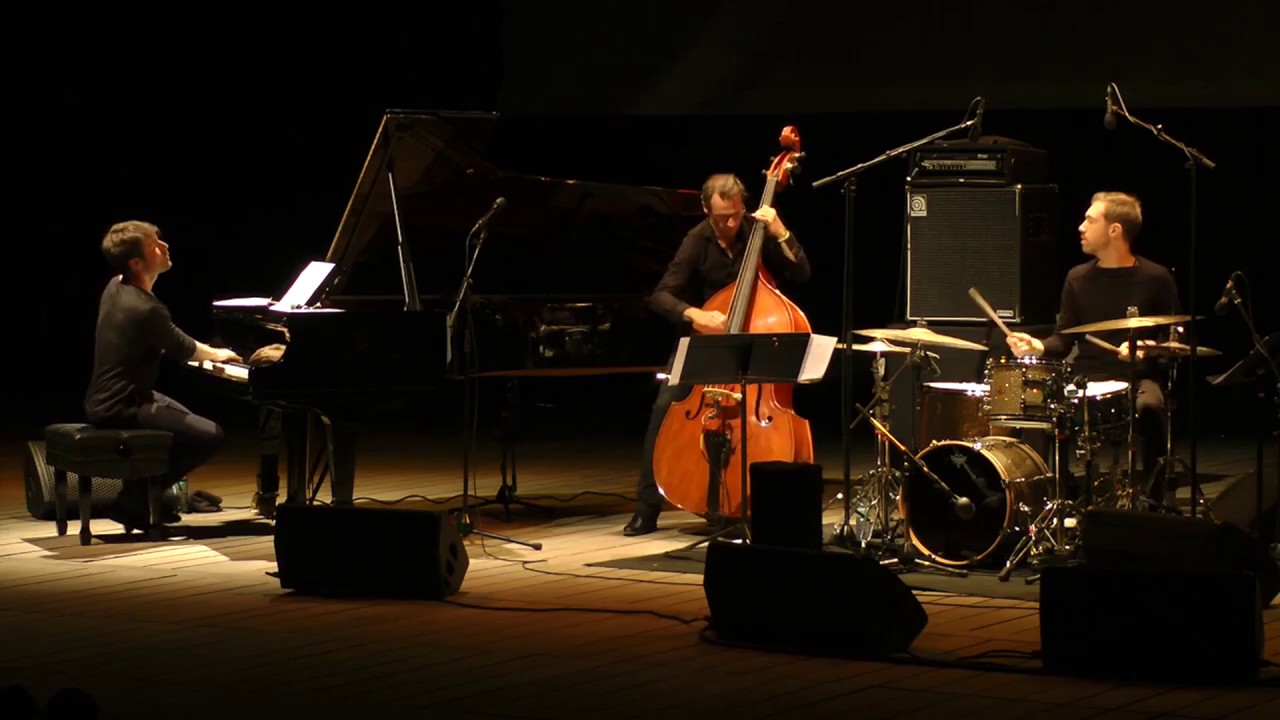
column 559, row 288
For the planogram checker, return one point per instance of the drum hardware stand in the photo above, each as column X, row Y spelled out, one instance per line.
column 1195, row 159
column 883, row 473
column 1166, row 468
column 906, row 558
column 1049, row 528
column 849, row 180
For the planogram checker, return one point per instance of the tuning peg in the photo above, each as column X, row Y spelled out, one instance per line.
column 799, row 156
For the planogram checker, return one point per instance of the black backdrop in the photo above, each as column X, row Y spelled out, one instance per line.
column 243, row 139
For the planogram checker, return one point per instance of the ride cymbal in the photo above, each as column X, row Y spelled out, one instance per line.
column 922, row 336
column 1177, row 349
column 1130, row 323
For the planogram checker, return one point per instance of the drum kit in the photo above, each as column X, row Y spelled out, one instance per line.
column 977, row 494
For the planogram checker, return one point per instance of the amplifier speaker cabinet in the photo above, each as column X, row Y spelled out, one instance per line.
column 1001, row 240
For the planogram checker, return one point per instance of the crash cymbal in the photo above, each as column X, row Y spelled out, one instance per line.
column 1177, row 349
column 1131, row 323
column 876, row 346
column 922, row 336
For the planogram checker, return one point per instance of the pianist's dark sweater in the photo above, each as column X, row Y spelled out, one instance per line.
column 134, row 329
column 1093, row 294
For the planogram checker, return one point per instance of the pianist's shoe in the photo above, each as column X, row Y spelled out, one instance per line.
column 643, row 522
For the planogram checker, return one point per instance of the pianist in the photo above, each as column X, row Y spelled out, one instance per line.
column 134, row 330
column 706, row 262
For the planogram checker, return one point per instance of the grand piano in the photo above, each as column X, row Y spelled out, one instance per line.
column 558, row 287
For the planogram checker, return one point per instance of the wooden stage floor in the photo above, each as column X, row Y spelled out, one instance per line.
column 195, row 627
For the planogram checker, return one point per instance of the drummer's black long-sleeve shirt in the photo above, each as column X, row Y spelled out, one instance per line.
column 1093, row 294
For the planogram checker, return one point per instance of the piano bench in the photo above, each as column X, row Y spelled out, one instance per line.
column 91, row 452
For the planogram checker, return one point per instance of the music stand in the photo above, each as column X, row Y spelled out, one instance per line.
column 744, row 359
column 1254, row 367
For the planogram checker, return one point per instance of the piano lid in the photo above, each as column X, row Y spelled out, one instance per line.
column 555, row 237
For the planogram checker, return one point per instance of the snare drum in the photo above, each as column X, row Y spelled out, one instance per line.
column 1026, row 393
column 952, row 411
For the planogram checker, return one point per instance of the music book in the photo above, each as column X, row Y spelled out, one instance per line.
column 782, row 357
column 296, row 297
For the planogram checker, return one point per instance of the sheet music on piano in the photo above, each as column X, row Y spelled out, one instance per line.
column 295, row 299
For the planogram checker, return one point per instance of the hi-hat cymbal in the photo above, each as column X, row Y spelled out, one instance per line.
column 922, row 336
column 876, row 346
column 1177, row 349
column 1131, row 323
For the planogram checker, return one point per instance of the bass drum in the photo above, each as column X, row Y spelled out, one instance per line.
column 1007, row 481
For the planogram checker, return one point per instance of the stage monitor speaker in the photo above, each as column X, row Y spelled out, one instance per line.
column 786, row 504
column 1160, row 625
column 830, row 602
column 1238, row 503
column 1000, row 240
column 1122, row 539
column 368, row 551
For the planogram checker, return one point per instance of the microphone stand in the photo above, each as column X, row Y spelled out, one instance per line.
column 963, row 505
column 466, row 370
column 849, row 177
column 1260, row 346
column 1194, row 159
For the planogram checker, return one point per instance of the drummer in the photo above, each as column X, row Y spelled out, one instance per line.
column 1115, row 284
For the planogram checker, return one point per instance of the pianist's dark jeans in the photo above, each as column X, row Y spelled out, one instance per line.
column 647, row 487
column 195, row 439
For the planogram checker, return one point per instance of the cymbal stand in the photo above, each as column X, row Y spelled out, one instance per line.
column 907, row 559
column 877, row 480
column 1166, row 468
column 1047, row 534
column 1131, row 442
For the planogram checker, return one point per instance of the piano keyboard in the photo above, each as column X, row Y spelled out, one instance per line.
column 235, row 371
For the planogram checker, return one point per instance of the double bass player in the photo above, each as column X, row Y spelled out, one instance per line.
column 707, row 261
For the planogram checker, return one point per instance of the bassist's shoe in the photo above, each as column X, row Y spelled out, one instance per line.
column 643, row 522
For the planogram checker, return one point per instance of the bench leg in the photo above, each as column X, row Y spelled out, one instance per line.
column 60, row 500
column 86, row 508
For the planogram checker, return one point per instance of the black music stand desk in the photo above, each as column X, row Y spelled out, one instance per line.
column 744, row 359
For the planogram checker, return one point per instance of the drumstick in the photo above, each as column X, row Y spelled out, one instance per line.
column 1101, row 343
column 977, row 297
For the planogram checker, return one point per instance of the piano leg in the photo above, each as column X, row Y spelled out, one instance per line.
column 270, row 428
column 296, row 423
column 342, row 458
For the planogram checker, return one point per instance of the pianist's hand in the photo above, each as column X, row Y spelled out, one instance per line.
column 266, row 355
column 225, row 355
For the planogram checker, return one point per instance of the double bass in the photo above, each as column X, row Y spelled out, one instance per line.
column 697, row 458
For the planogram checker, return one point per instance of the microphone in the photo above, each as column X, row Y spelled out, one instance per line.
column 497, row 206
column 964, row 506
column 1109, row 120
column 975, row 130
column 1229, row 295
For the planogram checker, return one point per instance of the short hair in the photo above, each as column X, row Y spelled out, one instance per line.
column 725, row 185
column 1121, row 208
column 126, row 241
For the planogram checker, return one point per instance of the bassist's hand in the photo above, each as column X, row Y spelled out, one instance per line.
column 707, row 322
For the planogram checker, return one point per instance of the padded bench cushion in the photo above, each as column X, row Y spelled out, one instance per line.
column 86, row 450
